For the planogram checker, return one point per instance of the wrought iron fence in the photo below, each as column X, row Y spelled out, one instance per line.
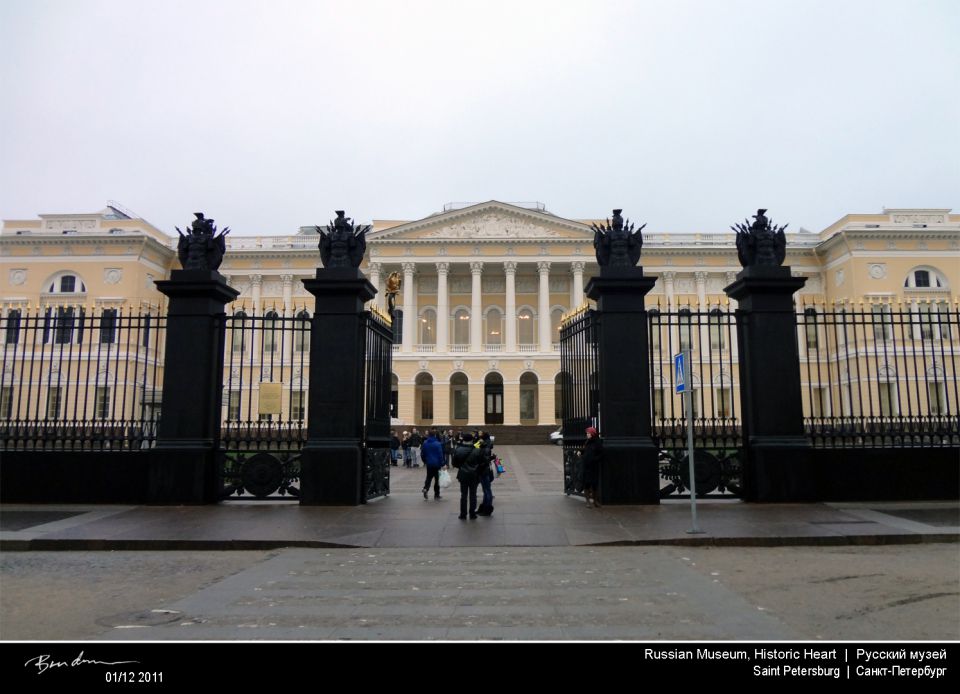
column 710, row 333
column 378, row 366
column 266, row 360
column 880, row 375
column 579, row 390
column 80, row 378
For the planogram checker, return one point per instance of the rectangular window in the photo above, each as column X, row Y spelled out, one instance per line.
column 6, row 402
column 889, row 407
column 102, row 409
column 53, row 402
column 297, row 400
column 146, row 330
column 882, row 322
column 943, row 320
column 68, row 284
column 724, row 403
column 64, row 330
column 657, row 403
column 270, row 335
column 686, row 332
column 460, row 401
column 426, row 404
column 925, row 317
column 810, row 327
column 233, row 406
column 717, row 337
column 13, row 327
column 820, row 402
column 528, row 404
column 266, row 417
column 937, row 397
column 108, row 326
column 301, row 338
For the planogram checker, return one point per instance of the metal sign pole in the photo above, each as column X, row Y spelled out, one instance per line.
column 689, row 394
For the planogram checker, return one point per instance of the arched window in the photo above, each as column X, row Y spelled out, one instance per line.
column 526, row 330
column 925, row 278
column 66, row 283
column 686, row 329
column 717, row 334
column 556, row 315
column 494, row 334
column 461, row 327
column 428, row 327
column 237, row 326
column 301, row 335
column 271, row 338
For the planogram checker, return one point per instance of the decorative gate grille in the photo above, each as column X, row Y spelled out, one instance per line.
column 264, row 404
column 378, row 368
column 580, row 395
column 711, row 336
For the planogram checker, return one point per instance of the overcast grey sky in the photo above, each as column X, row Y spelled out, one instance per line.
column 688, row 114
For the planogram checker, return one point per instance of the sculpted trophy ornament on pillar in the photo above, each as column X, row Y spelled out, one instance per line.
column 760, row 243
column 617, row 243
column 342, row 244
column 201, row 248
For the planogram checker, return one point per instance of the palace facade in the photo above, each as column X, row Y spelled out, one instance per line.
column 485, row 287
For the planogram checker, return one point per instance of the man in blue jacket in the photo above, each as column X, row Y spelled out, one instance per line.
column 433, row 459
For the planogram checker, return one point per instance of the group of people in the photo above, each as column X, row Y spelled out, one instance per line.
column 470, row 453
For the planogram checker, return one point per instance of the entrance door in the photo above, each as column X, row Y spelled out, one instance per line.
column 493, row 399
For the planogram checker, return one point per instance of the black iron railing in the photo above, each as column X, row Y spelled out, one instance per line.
column 378, row 367
column 579, row 389
column 80, row 378
column 880, row 375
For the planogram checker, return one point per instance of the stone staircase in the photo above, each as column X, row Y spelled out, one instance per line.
column 521, row 435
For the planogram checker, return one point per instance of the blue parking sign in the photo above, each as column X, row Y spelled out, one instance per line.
column 679, row 372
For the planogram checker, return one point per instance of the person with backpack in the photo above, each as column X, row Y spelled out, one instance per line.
column 468, row 460
column 432, row 453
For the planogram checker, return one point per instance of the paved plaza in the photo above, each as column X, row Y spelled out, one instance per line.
column 543, row 567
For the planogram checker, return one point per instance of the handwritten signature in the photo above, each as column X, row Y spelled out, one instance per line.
column 43, row 662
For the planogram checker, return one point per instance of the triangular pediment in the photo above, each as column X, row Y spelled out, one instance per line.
column 488, row 221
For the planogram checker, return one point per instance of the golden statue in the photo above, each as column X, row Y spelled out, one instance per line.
column 393, row 288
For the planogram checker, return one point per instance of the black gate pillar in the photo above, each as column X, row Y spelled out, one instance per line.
column 778, row 460
column 183, row 464
column 331, row 462
column 630, row 471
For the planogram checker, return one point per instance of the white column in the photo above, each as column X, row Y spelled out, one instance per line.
column 374, row 271
column 443, row 317
column 577, row 267
column 668, row 278
column 732, row 333
column 409, row 308
column 731, row 278
column 287, row 281
column 256, row 282
column 476, row 307
column 545, row 342
column 701, row 279
column 510, row 317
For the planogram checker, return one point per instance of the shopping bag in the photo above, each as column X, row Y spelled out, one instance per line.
column 444, row 479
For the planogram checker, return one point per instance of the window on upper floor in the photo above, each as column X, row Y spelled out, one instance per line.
column 925, row 278
column 67, row 283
